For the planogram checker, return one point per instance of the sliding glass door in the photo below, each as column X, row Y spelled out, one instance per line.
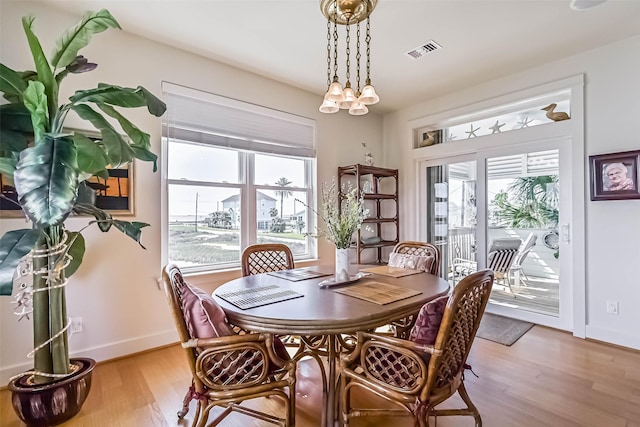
column 503, row 210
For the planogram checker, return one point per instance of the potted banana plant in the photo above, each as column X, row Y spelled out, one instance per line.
column 49, row 166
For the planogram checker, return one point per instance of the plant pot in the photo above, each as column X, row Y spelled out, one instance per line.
column 53, row 403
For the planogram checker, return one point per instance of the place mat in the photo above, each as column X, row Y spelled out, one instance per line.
column 256, row 297
column 297, row 275
column 378, row 293
column 385, row 270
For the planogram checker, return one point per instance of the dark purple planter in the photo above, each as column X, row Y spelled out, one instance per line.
column 51, row 404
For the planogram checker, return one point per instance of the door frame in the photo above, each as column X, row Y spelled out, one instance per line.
column 570, row 130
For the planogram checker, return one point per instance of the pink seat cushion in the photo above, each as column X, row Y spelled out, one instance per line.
column 206, row 319
column 428, row 321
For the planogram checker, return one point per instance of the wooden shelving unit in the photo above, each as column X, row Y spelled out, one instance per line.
column 380, row 186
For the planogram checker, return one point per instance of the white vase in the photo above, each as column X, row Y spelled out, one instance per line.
column 342, row 265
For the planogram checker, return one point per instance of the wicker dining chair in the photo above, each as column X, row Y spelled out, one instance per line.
column 415, row 375
column 420, row 249
column 268, row 257
column 265, row 258
column 226, row 368
column 402, row 327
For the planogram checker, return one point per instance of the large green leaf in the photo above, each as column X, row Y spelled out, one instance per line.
column 121, row 97
column 11, row 84
column 14, row 245
column 131, row 229
column 141, row 140
column 138, row 137
column 45, row 75
column 91, row 155
column 76, row 252
column 79, row 36
column 118, row 149
column 36, row 102
column 11, row 141
column 15, row 117
column 146, row 155
column 7, row 166
column 46, row 180
column 103, row 218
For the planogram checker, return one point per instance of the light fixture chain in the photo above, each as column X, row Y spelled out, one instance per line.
column 328, row 52
column 358, row 60
column 368, row 41
column 335, row 40
column 348, row 51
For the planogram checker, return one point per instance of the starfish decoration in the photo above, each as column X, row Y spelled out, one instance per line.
column 524, row 123
column 472, row 131
column 496, row 128
column 450, row 137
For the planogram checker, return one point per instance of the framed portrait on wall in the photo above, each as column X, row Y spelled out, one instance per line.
column 615, row 176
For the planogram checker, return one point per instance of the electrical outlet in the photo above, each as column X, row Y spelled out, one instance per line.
column 612, row 307
column 76, row 325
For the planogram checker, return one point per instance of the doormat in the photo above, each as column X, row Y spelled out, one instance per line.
column 502, row 330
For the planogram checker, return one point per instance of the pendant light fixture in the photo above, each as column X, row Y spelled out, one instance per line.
column 347, row 13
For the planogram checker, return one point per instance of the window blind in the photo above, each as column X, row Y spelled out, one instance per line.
column 204, row 118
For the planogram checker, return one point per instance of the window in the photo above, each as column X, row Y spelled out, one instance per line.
column 236, row 174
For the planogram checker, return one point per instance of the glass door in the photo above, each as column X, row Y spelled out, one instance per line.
column 502, row 209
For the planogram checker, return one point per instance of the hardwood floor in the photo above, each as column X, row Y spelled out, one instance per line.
column 547, row 378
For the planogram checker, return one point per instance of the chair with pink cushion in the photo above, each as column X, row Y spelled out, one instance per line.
column 227, row 368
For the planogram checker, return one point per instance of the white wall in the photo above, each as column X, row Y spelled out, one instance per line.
column 612, row 110
column 115, row 289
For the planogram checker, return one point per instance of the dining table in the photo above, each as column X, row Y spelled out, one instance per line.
column 308, row 302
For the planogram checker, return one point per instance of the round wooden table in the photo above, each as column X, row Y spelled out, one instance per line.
column 323, row 311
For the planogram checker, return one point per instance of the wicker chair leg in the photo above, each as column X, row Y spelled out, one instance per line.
column 462, row 391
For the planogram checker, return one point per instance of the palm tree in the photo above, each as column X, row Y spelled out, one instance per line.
column 529, row 202
column 283, row 182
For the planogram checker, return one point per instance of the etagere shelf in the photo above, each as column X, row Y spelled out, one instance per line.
column 380, row 186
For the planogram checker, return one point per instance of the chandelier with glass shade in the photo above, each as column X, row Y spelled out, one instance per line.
column 348, row 13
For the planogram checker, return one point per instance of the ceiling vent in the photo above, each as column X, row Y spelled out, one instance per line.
column 422, row 50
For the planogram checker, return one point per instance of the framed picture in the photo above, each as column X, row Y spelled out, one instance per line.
column 115, row 194
column 615, row 176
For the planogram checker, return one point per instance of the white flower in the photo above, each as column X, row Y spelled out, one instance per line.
column 340, row 224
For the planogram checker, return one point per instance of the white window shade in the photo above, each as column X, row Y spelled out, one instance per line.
column 204, row 118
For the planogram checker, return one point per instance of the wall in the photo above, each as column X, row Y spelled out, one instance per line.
column 115, row 290
column 612, row 108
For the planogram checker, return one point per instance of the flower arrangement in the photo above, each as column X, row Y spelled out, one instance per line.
column 340, row 224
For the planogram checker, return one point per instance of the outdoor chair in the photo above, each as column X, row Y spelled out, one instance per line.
column 500, row 257
column 226, row 368
column 516, row 268
column 265, row 258
column 402, row 327
column 420, row 373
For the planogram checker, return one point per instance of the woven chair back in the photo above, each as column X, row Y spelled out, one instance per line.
column 421, row 249
column 458, row 329
column 264, row 258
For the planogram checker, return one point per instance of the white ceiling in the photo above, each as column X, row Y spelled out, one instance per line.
column 286, row 39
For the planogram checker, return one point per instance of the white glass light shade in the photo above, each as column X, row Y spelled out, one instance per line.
column 349, row 98
column 335, row 92
column 369, row 96
column 329, row 107
column 358, row 109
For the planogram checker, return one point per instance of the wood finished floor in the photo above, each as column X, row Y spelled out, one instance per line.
column 547, row 378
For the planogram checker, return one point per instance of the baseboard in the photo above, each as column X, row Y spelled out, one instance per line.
column 104, row 352
column 613, row 337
